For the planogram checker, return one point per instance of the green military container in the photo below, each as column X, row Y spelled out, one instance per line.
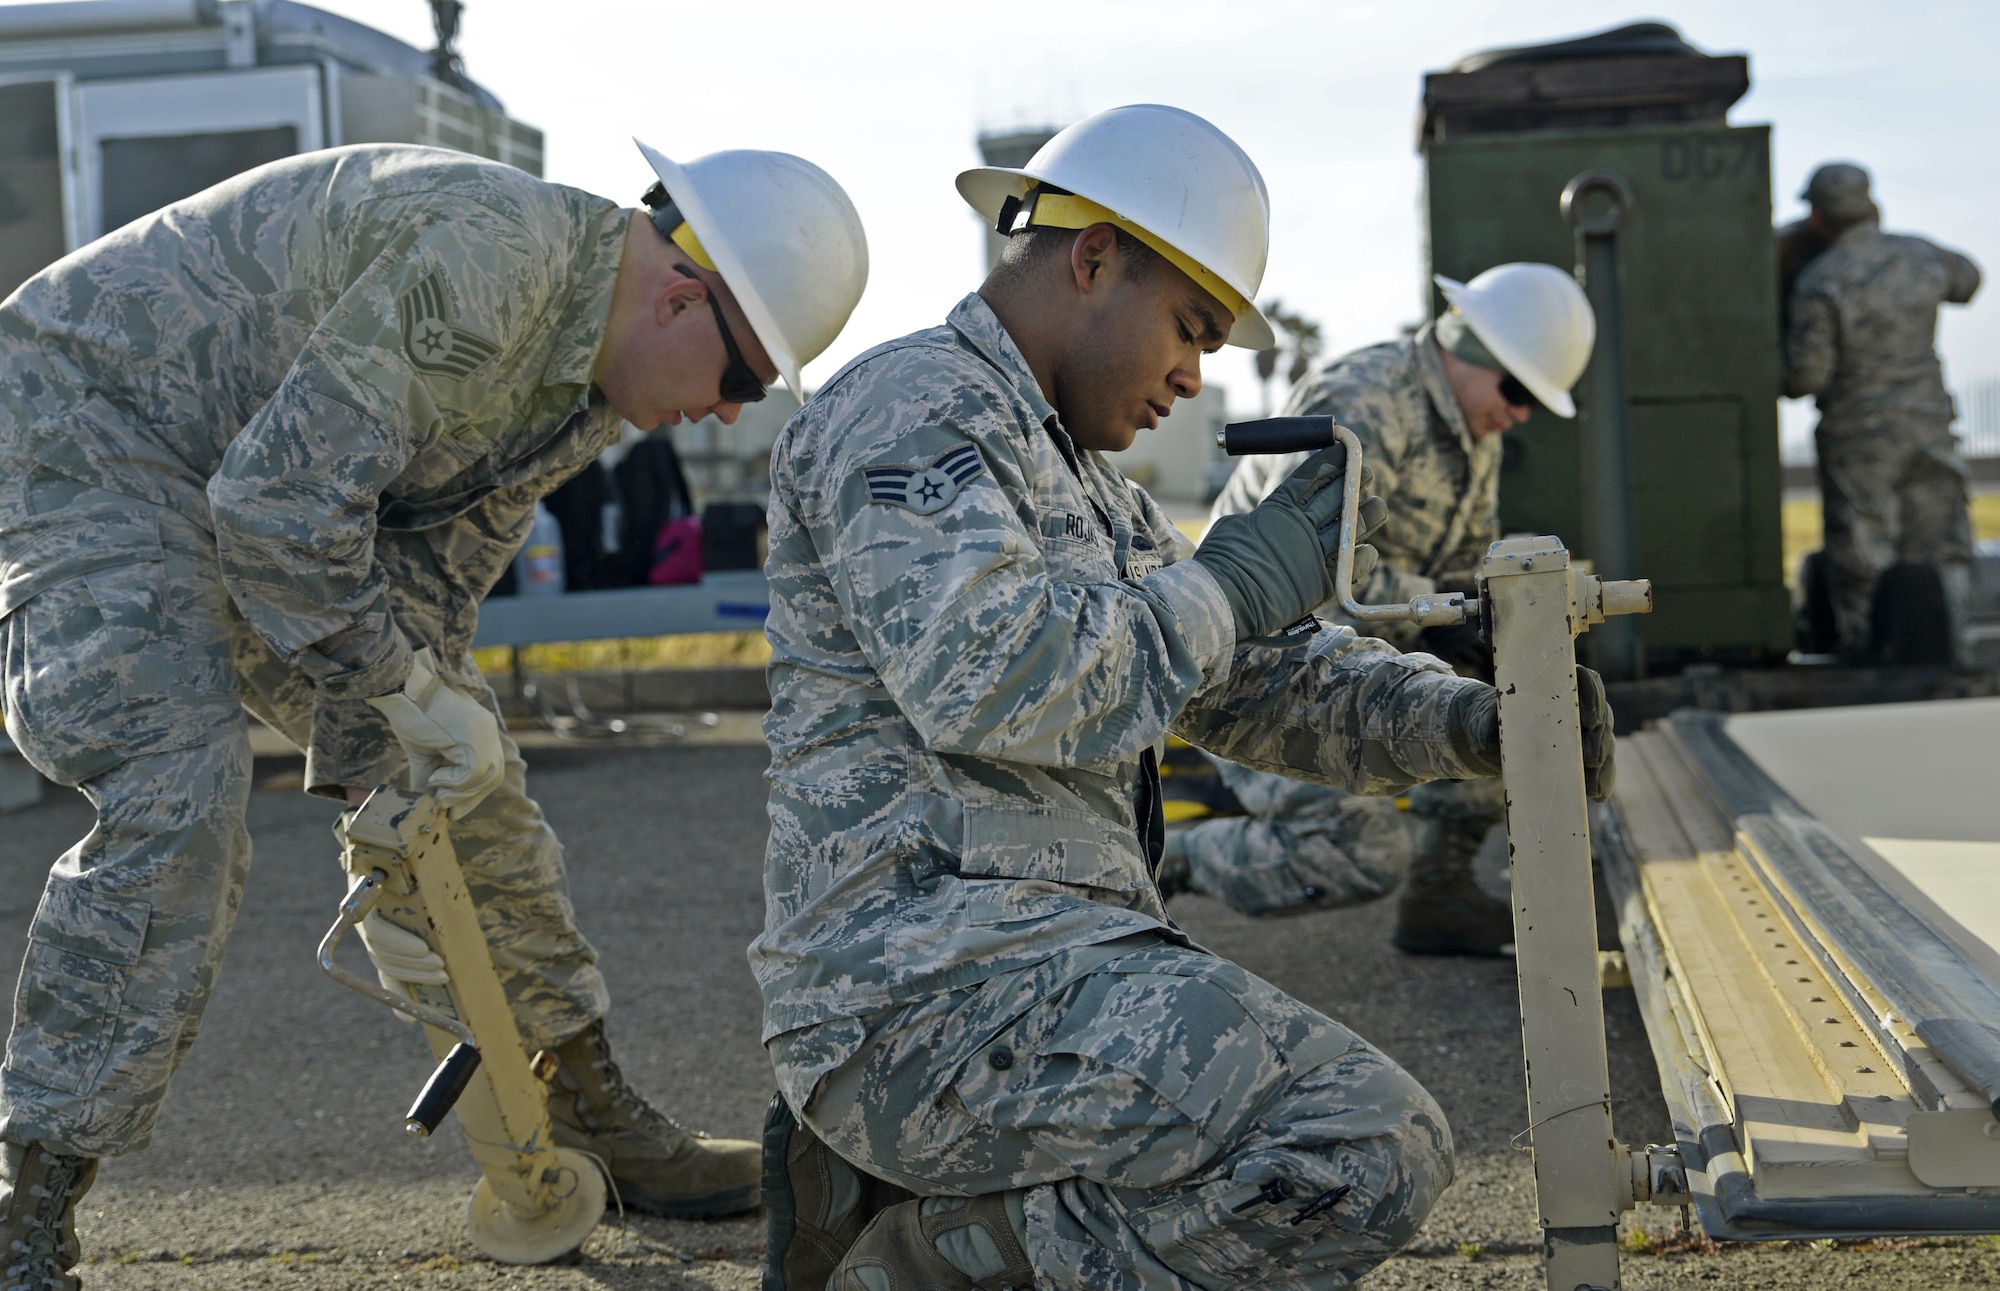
column 1503, row 133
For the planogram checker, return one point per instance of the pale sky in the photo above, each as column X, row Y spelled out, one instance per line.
column 888, row 95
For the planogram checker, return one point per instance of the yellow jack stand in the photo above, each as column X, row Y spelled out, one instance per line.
column 536, row 1201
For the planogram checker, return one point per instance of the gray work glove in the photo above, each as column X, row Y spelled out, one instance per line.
column 1600, row 746
column 1475, row 732
column 1275, row 561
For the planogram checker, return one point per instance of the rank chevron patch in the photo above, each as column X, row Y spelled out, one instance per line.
column 435, row 343
column 924, row 489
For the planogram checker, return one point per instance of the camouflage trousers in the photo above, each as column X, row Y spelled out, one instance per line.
column 1301, row 847
column 130, row 684
column 1172, row 1120
column 1891, row 494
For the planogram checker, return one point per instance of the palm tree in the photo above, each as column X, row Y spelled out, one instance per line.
column 1299, row 336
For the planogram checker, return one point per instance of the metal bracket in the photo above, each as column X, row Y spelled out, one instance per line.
column 1657, row 1175
column 1955, row 1149
column 1575, row 204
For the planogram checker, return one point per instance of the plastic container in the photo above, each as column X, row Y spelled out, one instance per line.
column 538, row 566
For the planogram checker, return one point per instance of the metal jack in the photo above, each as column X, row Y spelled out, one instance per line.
column 1535, row 605
column 536, row 1201
column 1532, row 606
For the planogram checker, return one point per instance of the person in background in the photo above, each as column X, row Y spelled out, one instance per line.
column 1429, row 412
column 1861, row 340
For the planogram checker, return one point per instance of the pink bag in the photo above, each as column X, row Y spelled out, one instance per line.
column 677, row 552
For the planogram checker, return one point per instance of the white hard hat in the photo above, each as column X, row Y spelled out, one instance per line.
column 1166, row 176
column 1535, row 320
column 783, row 236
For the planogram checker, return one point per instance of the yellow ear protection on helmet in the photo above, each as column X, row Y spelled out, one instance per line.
column 1049, row 207
column 673, row 226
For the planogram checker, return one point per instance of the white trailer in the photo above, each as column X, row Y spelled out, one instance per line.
column 110, row 109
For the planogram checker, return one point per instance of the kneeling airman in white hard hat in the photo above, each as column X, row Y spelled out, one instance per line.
column 266, row 449
column 1429, row 412
column 980, row 632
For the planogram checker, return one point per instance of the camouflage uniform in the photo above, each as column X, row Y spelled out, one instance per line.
column 1309, row 846
column 1863, row 320
column 980, row 635
column 252, row 448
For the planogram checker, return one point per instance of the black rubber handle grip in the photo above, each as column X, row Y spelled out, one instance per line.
column 1277, row 435
column 441, row 1091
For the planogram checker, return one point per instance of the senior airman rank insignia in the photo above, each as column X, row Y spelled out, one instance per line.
column 924, row 489
column 435, row 343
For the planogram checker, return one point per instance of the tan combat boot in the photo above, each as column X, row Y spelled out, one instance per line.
column 815, row 1204
column 658, row 1166
column 38, row 1195
column 940, row 1244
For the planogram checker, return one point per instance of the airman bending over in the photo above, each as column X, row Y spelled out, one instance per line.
column 266, row 449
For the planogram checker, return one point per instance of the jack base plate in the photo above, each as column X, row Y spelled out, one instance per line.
column 513, row 1236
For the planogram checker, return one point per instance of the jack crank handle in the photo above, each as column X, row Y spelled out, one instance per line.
column 441, row 1091
column 1276, row 435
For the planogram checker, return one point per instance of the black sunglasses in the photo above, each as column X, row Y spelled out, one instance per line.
column 1516, row 394
column 739, row 381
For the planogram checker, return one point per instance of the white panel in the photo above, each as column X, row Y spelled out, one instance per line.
column 214, row 102
column 1888, row 770
column 1962, row 877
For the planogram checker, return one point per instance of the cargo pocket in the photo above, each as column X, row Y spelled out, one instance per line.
column 1234, row 1231
column 1175, row 1045
column 131, row 600
column 65, row 709
column 168, row 665
column 82, row 947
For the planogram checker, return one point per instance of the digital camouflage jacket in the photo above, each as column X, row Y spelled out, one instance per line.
column 1864, row 326
column 361, row 347
column 978, row 633
column 1442, row 485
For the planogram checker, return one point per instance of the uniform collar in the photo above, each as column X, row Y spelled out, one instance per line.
column 580, row 327
column 1430, row 365
column 974, row 319
column 1858, row 232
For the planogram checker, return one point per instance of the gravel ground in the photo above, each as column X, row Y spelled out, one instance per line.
column 280, row 1162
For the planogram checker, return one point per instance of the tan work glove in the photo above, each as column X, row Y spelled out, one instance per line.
column 453, row 740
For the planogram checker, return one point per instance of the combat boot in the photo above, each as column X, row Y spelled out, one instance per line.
column 815, row 1204
column 38, row 1195
column 940, row 1244
column 659, row 1167
column 1442, row 909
